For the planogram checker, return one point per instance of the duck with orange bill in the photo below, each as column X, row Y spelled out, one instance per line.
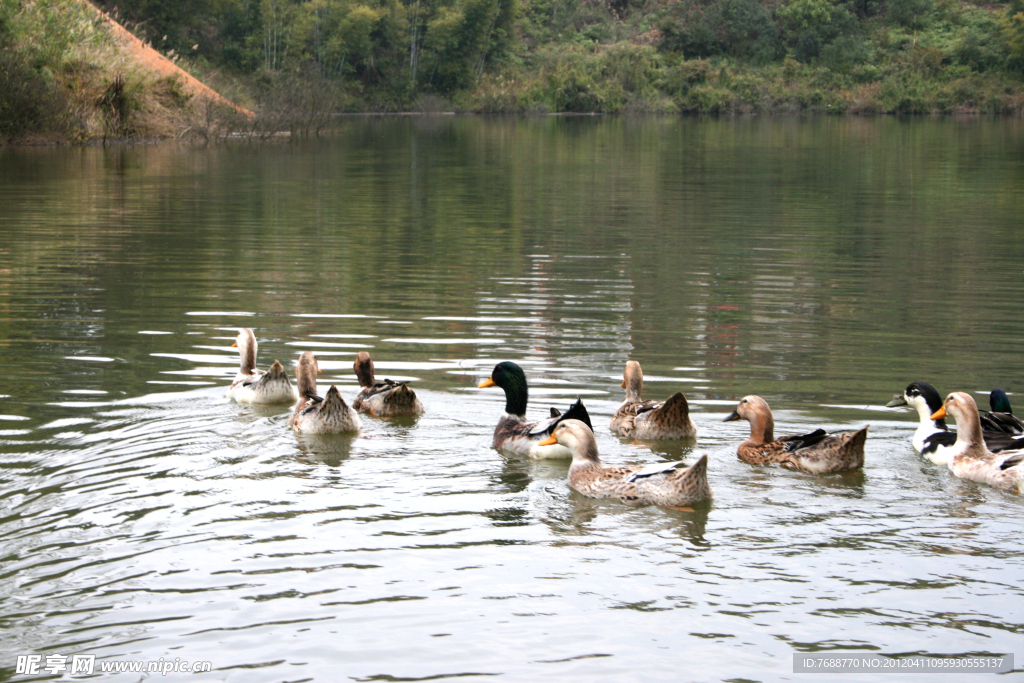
column 255, row 386
column 513, row 432
column 671, row 484
column 969, row 457
column 933, row 439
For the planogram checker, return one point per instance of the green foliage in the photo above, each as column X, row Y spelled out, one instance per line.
column 1011, row 25
column 29, row 103
column 914, row 14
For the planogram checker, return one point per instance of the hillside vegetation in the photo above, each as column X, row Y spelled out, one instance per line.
column 298, row 61
column 899, row 56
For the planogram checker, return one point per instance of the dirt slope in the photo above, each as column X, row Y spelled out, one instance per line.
column 149, row 57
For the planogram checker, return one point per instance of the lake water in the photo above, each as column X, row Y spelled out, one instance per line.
column 821, row 263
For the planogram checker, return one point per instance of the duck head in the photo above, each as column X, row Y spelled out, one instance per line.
column 923, row 398
column 999, row 402
column 633, row 381
column 512, row 379
column 962, row 408
column 364, row 369
column 246, row 343
column 577, row 437
column 755, row 410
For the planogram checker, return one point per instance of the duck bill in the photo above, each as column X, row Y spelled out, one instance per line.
column 897, row 401
column 938, row 414
column 732, row 417
column 623, row 385
column 234, row 344
column 550, row 441
column 486, row 383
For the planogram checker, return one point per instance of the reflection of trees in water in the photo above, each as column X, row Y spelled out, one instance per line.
column 771, row 254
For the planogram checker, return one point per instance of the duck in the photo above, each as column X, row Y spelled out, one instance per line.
column 671, row 484
column 642, row 419
column 933, row 439
column 315, row 415
column 815, row 453
column 513, row 433
column 382, row 399
column 254, row 386
column 1001, row 418
column 970, row 458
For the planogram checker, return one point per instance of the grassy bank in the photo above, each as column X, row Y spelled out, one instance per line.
column 65, row 78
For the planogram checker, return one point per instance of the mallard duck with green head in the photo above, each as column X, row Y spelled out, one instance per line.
column 513, row 433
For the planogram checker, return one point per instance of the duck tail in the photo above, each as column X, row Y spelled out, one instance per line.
column 577, row 411
column 400, row 397
column 673, row 411
column 333, row 401
column 855, row 447
column 694, row 479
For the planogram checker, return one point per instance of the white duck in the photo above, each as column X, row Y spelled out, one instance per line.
column 254, row 386
column 969, row 457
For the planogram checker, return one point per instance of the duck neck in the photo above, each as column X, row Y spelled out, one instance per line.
column 247, row 355
column 364, row 371
column 925, row 410
column 305, row 380
column 586, row 457
column 762, row 429
column 516, row 397
column 969, row 435
column 633, row 390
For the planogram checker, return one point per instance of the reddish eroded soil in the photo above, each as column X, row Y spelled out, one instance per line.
column 144, row 54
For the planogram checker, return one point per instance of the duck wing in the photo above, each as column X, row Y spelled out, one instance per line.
column 1003, row 423
column 933, row 442
column 654, row 468
column 1012, row 461
column 798, row 441
column 998, row 443
column 675, row 410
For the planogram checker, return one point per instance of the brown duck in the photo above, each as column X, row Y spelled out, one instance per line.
column 665, row 483
column 383, row 399
column 651, row 419
column 815, row 453
column 315, row 415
